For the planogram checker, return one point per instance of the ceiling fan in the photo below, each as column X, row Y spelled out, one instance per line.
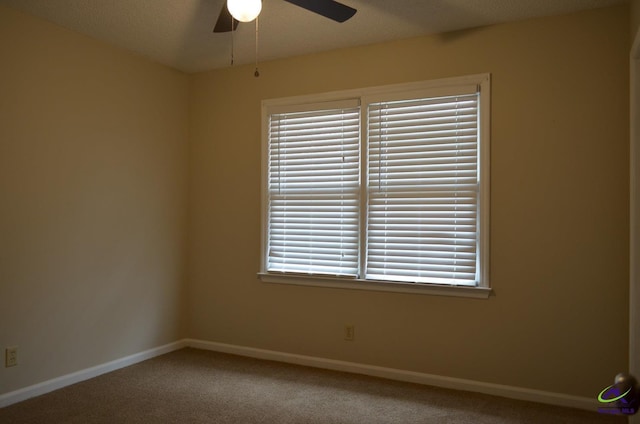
column 328, row 8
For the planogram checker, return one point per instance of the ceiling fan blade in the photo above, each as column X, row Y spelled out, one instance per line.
column 328, row 8
column 224, row 21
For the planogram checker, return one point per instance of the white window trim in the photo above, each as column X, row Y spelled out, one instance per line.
column 481, row 291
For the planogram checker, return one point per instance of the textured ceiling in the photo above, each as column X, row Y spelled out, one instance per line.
column 178, row 33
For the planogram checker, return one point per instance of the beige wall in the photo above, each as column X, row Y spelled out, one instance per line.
column 93, row 158
column 635, row 18
column 559, row 223
column 93, row 189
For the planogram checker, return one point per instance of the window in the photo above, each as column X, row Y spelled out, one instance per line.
column 384, row 188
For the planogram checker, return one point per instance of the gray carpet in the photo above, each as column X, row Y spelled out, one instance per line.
column 196, row 386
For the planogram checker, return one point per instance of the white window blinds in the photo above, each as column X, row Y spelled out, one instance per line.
column 313, row 191
column 423, row 190
column 376, row 185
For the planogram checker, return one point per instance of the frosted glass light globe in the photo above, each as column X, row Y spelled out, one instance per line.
column 244, row 10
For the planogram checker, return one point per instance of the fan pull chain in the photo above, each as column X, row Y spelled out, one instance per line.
column 257, row 72
column 232, row 38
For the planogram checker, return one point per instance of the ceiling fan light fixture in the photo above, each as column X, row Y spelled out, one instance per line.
column 244, row 10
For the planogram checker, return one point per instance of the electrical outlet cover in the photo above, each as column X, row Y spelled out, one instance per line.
column 11, row 357
column 349, row 332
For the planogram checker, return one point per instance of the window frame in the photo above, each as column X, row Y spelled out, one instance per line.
column 430, row 88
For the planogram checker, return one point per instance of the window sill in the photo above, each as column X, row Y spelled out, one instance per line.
column 352, row 284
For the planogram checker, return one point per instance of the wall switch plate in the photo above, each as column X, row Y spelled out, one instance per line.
column 11, row 357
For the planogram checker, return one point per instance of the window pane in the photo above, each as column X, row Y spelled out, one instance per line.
column 423, row 190
column 313, row 189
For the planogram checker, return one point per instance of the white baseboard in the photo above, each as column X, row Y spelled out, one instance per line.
column 511, row 392
column 78, row 376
